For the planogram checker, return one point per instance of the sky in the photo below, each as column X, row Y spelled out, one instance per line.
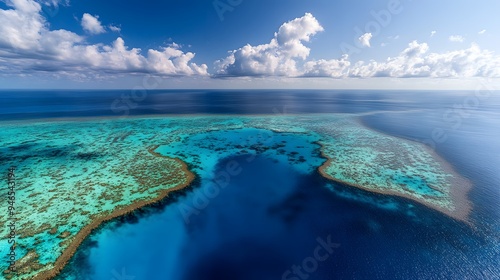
column 153, row 44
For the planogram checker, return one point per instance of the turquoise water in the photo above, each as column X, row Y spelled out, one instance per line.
column 258, row 204
column 265, row 214
column 215, row 205
column 203, row 150
column 68, row 172
column 73, row 171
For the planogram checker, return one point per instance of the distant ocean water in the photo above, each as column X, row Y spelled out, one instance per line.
column 21, row 104
column 235, row 241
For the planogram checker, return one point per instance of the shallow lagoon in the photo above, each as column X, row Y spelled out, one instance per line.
column 265, row 214
column 96, row 168
column 373, row 230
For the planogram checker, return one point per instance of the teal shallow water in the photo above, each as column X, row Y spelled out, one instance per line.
column 203, row 150
column 253, row 215
column 70, row 172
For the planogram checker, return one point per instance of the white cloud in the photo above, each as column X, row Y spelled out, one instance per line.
column 433, row 32
column 327, row 68
column 114, row 28
column 415, row 61
column 284, row 54
column 456, row 38
column 278, row 57
column 174, row 45
column 173, row 61
column 20, row 27
column 91, row 24
column 365, row 39
column 28, row 45
column 482, row 32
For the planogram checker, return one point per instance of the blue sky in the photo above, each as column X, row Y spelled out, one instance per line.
column 249, row 43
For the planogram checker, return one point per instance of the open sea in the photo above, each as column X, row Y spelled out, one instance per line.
column 270, row 220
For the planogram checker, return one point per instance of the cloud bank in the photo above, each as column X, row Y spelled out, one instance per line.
column 286, row 55
column 416, row 61
column 27, row 44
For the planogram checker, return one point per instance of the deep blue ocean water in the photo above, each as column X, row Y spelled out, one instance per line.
column 270, row 217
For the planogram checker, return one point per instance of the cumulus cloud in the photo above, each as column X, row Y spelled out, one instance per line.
column 365, row 39
column 482, row 32
column 433, row 32
column 327, row 68
column 27, row 44
column 456, row 38
column 286, row 55
column 278, row 57
column 415, row 61
column 91, row 24
column 19, row 28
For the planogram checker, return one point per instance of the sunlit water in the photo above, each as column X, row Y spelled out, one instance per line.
column 268, row 218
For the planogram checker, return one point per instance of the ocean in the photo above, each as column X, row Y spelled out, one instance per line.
column 276, row 220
